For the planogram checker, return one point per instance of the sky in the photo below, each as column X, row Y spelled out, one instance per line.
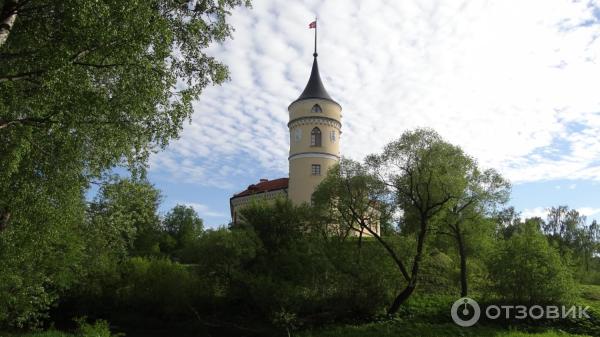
column 516, row 84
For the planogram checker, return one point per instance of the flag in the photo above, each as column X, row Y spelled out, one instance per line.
column 313, row 25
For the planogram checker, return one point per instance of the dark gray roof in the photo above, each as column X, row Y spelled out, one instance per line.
column 314, row 87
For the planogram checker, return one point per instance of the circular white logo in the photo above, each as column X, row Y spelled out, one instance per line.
column 462, row 305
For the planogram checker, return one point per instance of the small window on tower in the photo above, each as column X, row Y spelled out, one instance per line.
column 315, row 137
column 316, row 170
column 316, row 108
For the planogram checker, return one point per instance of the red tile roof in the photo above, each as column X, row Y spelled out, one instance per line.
column 264, row 186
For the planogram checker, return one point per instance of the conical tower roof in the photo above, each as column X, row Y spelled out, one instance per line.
column 315, row 88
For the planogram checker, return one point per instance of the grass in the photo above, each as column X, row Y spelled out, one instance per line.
column 428, row 317
column 425, row 317
column 50, row 333
column 590, row 294
column 426, row 330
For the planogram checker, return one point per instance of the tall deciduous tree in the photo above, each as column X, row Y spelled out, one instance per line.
column 426, row 175
column 353, row 202
column 420, row 174
column 466, row 214
column 86, row 85
column 128, row 210
column 183, row 226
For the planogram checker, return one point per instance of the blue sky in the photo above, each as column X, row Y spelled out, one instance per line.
column 514, row 83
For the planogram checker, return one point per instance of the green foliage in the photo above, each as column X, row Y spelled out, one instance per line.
column 286, row 267
column 49, row 333
column 100, row 328
column 222, row 255
column 426, row 173
column 277, row 225
column 439, row 274
column 425, row 330
column 84, row 86
column 352, row 198
column 103, row 76
column 158, row 287
column 41, row 253
column 526, row 269
column 127, row 212
column 183, row 228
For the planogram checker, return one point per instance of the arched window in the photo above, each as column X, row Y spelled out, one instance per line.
column 316, row 108
column 315, row 137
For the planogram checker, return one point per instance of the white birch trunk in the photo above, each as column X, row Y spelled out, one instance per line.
column 7, row 19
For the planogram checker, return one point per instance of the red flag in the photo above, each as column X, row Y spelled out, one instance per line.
column 313, row 25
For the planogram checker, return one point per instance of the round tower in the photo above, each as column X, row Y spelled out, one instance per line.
column 315, row 130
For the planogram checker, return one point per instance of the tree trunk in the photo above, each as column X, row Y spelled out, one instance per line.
column 412, row 283
column 7, row 19
column 4, row 217
column 402, row 297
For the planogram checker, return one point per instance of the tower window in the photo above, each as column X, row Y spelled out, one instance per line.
column 316, row 170
column 316, row 108
column 315, row 137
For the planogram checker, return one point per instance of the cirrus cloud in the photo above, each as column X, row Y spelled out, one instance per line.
column 514, row 83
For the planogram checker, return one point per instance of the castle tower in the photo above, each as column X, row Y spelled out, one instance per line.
column 315, row 129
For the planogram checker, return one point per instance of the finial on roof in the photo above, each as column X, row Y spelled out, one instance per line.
column 315, row 53
column 314, row 88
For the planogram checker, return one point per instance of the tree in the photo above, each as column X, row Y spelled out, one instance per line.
column 183, row 225
column 507, row 220
column 86, row 85
column 426, row 175
column 128, row 210
column 575, row 239
column 562, row 227
column 42, row 253
column 525, row 269
column 277, row 224
column 419, row 174
column 589, row 242
column 354, row 202
column 463, row 220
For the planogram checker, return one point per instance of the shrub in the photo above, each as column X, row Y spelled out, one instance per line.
column 526, row 269
column 100, row 328
column 158, row 287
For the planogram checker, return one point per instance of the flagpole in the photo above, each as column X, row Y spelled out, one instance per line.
column 316, row 27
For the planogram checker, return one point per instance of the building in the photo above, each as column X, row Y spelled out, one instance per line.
column 315, row 128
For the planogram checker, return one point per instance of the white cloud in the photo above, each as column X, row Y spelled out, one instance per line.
column 542, row 212
column 589, row 211
column 202, row 209
column 514, row 83
column 539, row 212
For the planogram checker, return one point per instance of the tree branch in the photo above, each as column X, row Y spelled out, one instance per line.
column 20, row 76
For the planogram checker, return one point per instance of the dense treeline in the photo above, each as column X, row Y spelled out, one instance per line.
column 286, row 267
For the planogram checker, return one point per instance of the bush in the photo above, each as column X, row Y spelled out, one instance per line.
column 526, row 269
column 159, row 288
column 100, row 328
column 38, row 263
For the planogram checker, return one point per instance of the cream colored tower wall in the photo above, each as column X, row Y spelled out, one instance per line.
column 303, row 156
